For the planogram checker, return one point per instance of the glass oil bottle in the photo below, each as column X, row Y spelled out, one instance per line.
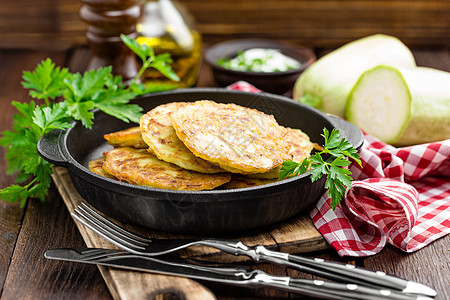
column 167, row 27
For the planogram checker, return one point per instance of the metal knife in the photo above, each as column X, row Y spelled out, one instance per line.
column 227, row 274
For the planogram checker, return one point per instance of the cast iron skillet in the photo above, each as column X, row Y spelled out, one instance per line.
column 197, row 212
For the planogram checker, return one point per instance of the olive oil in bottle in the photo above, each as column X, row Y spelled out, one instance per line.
column 168, row 28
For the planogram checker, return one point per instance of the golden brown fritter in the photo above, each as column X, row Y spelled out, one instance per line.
column 240, row 181
column 159, row 134
column 299, row 148
column 272, row 174
column 238, row 139
column 96, row 166
column 138, row 166
column 130, row 137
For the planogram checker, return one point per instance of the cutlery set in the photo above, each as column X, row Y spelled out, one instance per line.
column 151, row 255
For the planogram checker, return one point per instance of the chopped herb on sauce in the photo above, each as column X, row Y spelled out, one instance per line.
column 260, row 60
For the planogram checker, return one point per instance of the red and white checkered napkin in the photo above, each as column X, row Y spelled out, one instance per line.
column 244, row 87
column 399, row 196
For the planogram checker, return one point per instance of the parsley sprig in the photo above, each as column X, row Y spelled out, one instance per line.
column 67, row 97
column 334, row 168
column 160, row 62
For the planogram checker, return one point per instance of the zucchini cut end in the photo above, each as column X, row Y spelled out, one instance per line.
column 380, row 103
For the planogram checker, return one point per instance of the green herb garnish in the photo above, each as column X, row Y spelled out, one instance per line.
column 80, row 93
column 338, row 177
column 160, row 62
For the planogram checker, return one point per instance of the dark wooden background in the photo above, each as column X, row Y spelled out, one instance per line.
column 55, row 24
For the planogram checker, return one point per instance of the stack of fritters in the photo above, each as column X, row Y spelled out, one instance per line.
column 160, row 136
column 202, row 145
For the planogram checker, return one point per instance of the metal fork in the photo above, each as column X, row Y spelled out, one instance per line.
column 154, row 247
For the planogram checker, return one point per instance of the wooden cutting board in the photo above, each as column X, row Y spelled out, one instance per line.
column 297, row 235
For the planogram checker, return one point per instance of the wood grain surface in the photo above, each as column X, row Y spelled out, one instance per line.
column 324, row 23
column 49, row 24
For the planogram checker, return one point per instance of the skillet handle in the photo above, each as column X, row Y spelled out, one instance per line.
column 49, row 149
column 348, row 130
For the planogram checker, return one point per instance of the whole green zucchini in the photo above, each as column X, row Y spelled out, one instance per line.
column 326, row 84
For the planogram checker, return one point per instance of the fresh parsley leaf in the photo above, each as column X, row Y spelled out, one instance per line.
column 37, row 188
column 46, row 82
column 23, row 159
column 14, row 193
column 338, row 177
column 51, row 117
column 87, row 86
column 99, row 89
column 19, row 139
column 331, row 139
column 82, row 111
column 143, row 51
column 317, row 170
column 290, row 168
column 156, row 87
column 161, row 63
column 336, row 190
column 14, row 150
column 149, row 60
column 80, row 94
column 23, row 119
column 132, row 113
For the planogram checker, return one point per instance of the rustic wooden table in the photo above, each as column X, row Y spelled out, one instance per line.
column 25, row 233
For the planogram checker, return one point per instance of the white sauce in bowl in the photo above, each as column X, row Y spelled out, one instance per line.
column 260, row 60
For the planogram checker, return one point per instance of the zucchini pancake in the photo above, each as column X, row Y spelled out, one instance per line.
column 238, row 139
column 138, row 166
column 299, row 148
column 96, row 166
column 160, row 136
column 202, row 145
column 130, row 137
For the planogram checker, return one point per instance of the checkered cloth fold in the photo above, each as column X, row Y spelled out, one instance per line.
column 399, row 196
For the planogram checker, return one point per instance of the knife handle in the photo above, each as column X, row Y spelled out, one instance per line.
column 343, row 272
column 350, row 273
column 349, row 290
column 326, row 290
